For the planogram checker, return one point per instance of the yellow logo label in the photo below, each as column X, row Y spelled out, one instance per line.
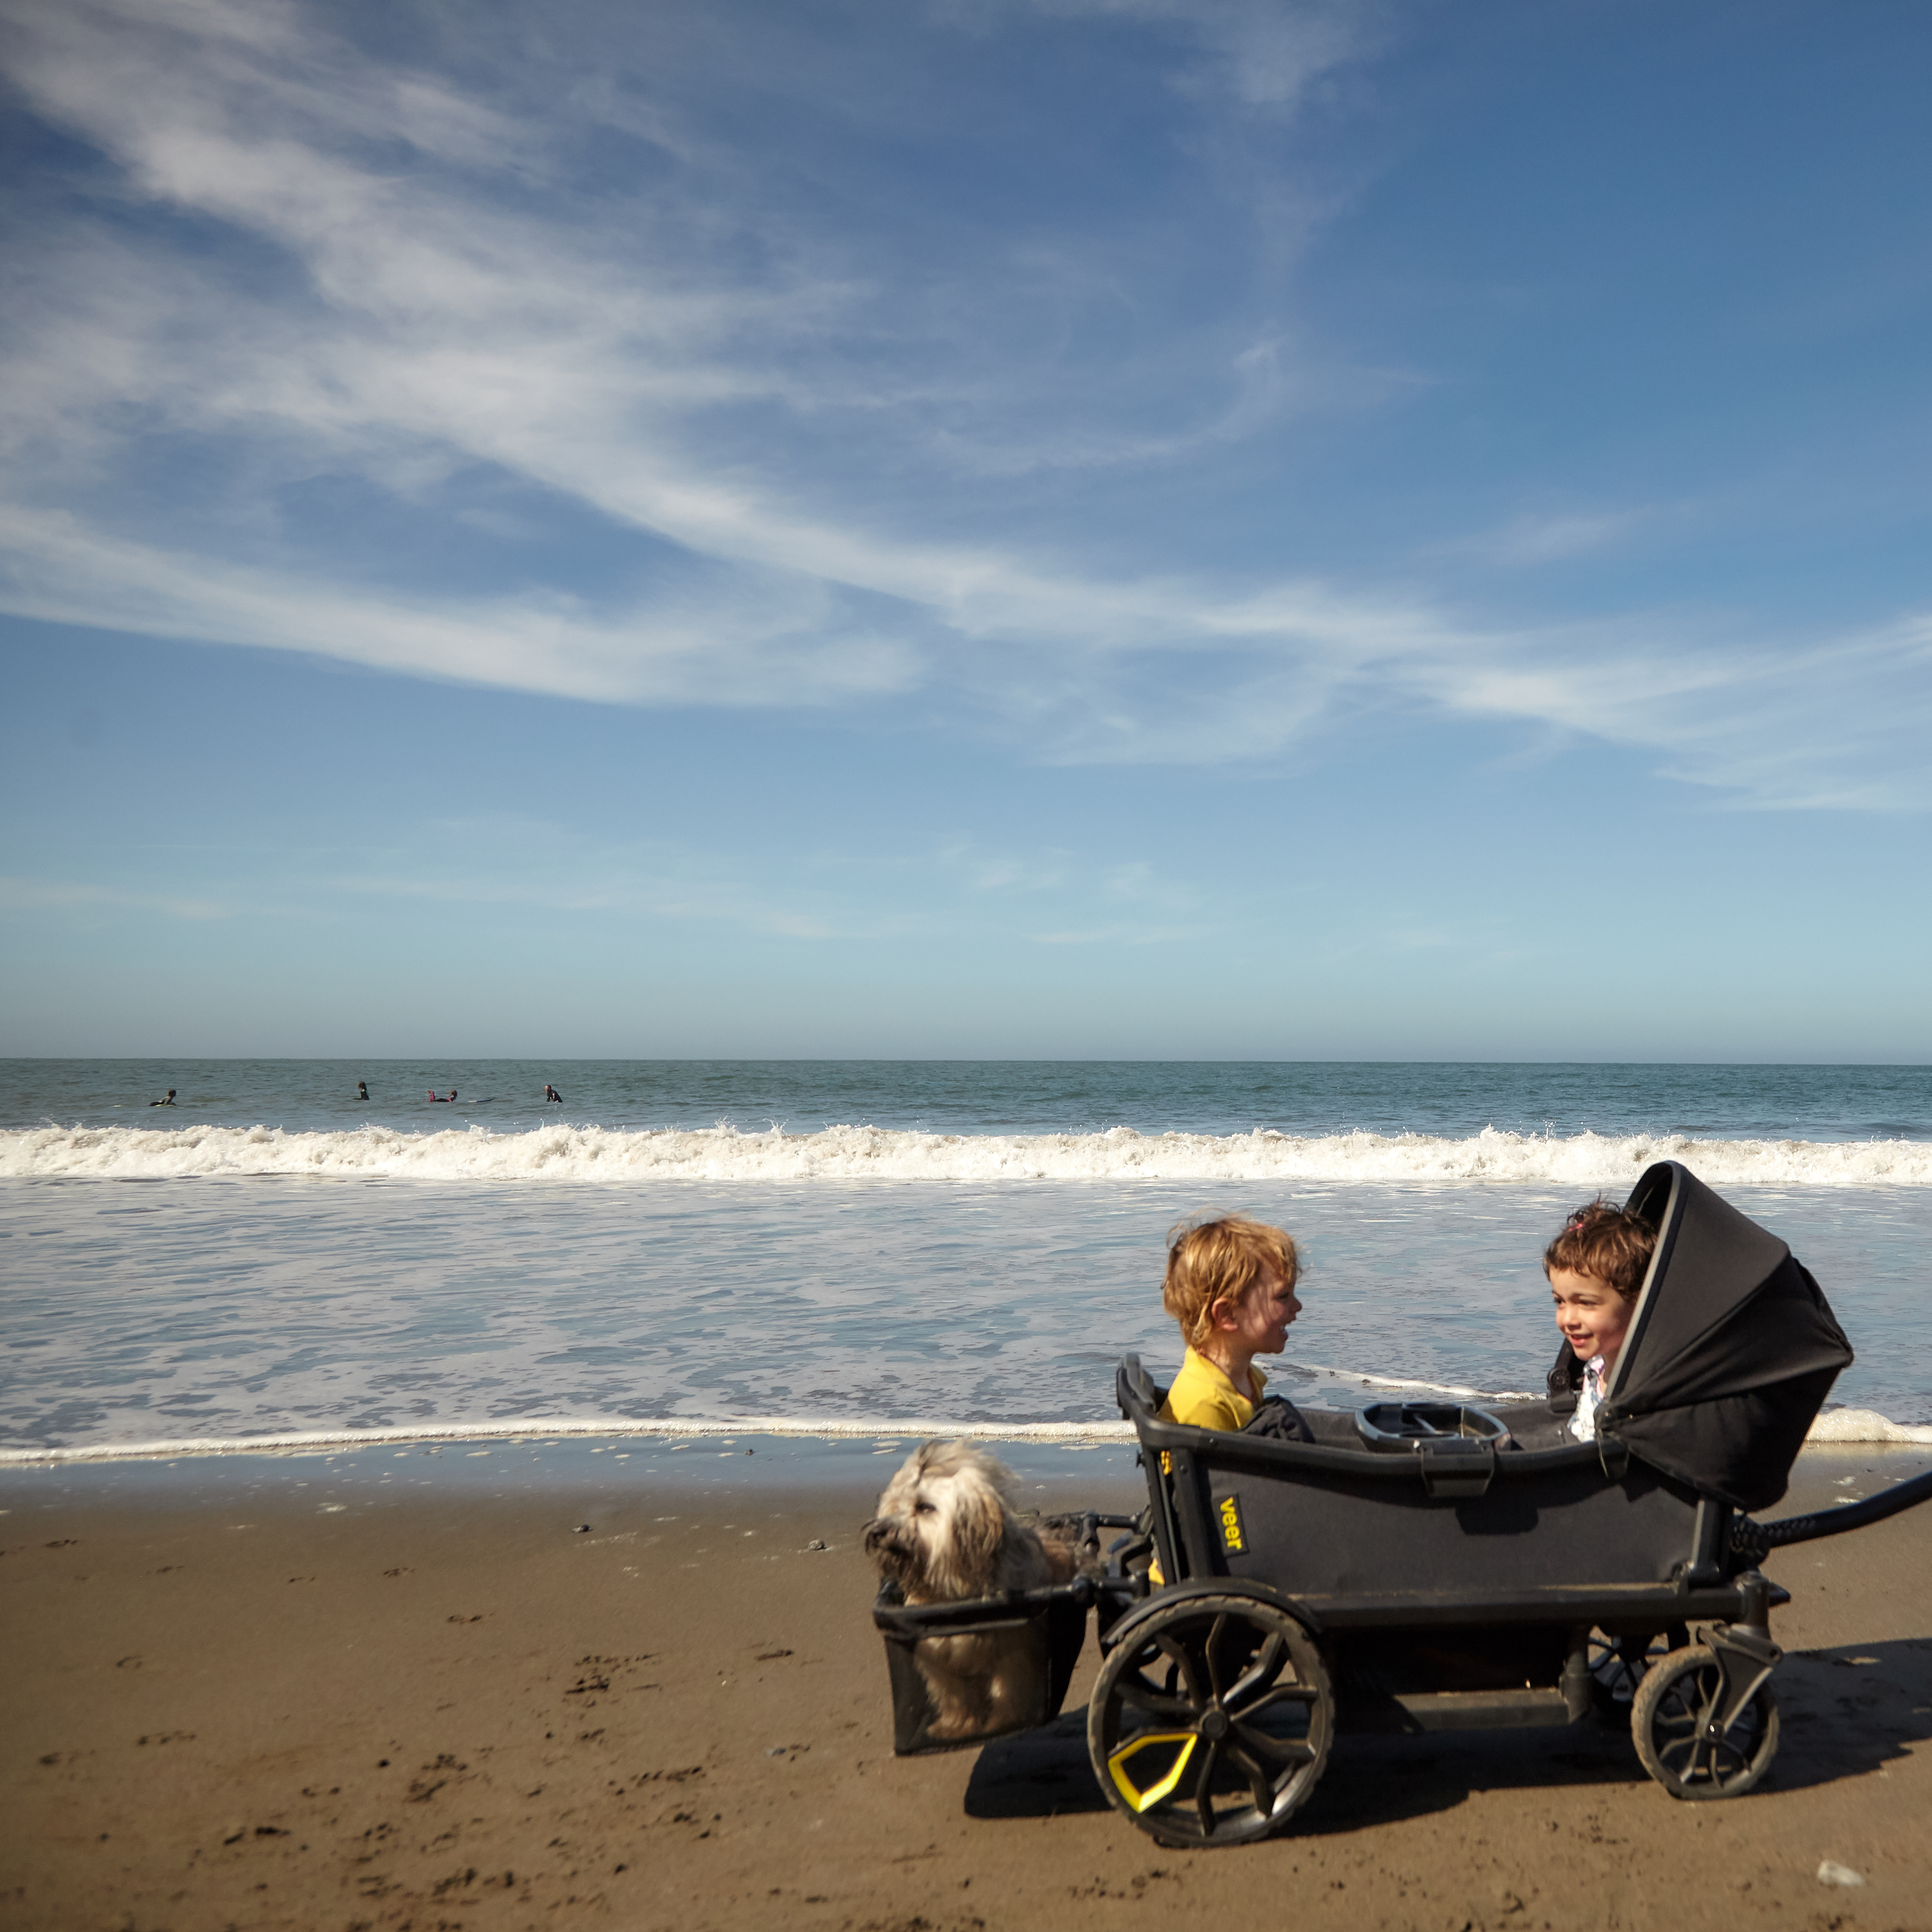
column 1232, row 1540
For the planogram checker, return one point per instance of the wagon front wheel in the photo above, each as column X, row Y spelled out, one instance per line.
column 1674, row 1721
column 1211, row 1720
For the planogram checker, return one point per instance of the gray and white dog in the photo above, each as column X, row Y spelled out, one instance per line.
column 947, row 1529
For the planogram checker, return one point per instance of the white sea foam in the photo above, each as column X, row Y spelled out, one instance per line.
column 620, row 1156
column 1865, row 1425
column 1839, row 1425
column 883, row 1429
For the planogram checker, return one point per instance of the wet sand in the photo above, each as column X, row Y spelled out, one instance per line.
column 444, row 1705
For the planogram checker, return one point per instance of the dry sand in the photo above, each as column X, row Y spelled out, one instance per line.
column 451, row 1709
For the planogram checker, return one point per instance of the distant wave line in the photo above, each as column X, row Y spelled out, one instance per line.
column 1455, row 1389
column 1836, row 1425
column 540, row 1428
column 627, row 1156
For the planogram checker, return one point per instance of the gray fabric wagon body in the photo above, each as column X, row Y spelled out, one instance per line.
column 1343, row 1529
column 1732, row 1349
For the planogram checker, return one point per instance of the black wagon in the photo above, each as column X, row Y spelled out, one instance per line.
column 1423, row 1566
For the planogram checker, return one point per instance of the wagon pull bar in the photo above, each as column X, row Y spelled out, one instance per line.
column 1754, row 1539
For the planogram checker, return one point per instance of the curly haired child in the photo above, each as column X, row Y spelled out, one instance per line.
column 1230, row 1284
column 1596, row 1268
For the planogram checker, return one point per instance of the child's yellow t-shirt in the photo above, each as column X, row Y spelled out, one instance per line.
column 1203, row 1397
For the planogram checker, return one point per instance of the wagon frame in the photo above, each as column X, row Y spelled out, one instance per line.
column 1421, row 1568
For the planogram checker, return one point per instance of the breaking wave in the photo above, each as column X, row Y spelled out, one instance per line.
column 1852, row 1426
column 625, row 1156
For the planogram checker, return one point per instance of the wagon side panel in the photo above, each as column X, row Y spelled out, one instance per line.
column 1323, row 1536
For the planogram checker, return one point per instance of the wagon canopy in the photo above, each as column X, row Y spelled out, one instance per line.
column 1731, row 1351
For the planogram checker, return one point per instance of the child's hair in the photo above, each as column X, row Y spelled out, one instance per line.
column 1220, row 1260
column 1604, row 1240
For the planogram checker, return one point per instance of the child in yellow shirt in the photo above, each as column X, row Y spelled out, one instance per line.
column 1231, row 1285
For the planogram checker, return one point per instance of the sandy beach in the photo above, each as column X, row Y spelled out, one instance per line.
column 450, row 1706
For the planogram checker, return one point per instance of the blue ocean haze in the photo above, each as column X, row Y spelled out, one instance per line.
column 976, row 1097
column 540, row 1271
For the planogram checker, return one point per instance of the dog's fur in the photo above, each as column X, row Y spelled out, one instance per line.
column 946, row 1530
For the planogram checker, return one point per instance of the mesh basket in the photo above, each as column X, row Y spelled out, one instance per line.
column 962, row 1673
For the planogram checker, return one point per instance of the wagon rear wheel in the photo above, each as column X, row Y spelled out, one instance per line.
column 1673, row 1720
column 1211, row 1720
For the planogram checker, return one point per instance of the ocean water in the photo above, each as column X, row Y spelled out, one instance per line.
column 857, row 1242
column 1022, row 1099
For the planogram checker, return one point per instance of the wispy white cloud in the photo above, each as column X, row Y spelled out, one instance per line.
column 19, row 895
column 1265, row 54
column 890, row 891
column 749, row 642
column 1550, row 538
column 1119, row 932
column 410, row 293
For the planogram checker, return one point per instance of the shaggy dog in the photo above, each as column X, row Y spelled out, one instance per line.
column 946, row 1530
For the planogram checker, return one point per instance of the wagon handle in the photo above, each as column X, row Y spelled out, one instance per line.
column 1753, row 1540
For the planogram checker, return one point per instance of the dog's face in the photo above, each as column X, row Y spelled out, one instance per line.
column 941, row 1522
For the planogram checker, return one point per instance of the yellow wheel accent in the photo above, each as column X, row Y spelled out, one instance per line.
column 1210, row 1720
column 1137, row 1799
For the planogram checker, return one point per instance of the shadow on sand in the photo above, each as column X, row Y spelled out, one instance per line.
column 1843, row 1712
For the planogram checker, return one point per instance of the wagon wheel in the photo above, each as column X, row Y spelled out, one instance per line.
column 1674, row 1721
column 1211, row 1720
column 1618, row 1665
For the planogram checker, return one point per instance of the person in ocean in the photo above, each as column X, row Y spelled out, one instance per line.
column 1595, row 1268
column 1230, row 1284
column 550, row 1094
column 168, row 1102
column 361, row 1090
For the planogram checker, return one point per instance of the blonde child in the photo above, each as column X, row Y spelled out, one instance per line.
column 1231, row 1285
column 1596, row 1267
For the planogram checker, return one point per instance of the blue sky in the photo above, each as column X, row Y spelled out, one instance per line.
column 1099, row 527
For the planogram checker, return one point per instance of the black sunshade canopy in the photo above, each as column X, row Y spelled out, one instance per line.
column 1731, row 1352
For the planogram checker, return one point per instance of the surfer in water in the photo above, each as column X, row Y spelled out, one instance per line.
column 168, row 1102
column 442, row 1099
column 361, row 1090
column 550, row 1094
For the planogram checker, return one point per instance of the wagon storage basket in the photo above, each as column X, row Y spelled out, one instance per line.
column 963, row 1673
